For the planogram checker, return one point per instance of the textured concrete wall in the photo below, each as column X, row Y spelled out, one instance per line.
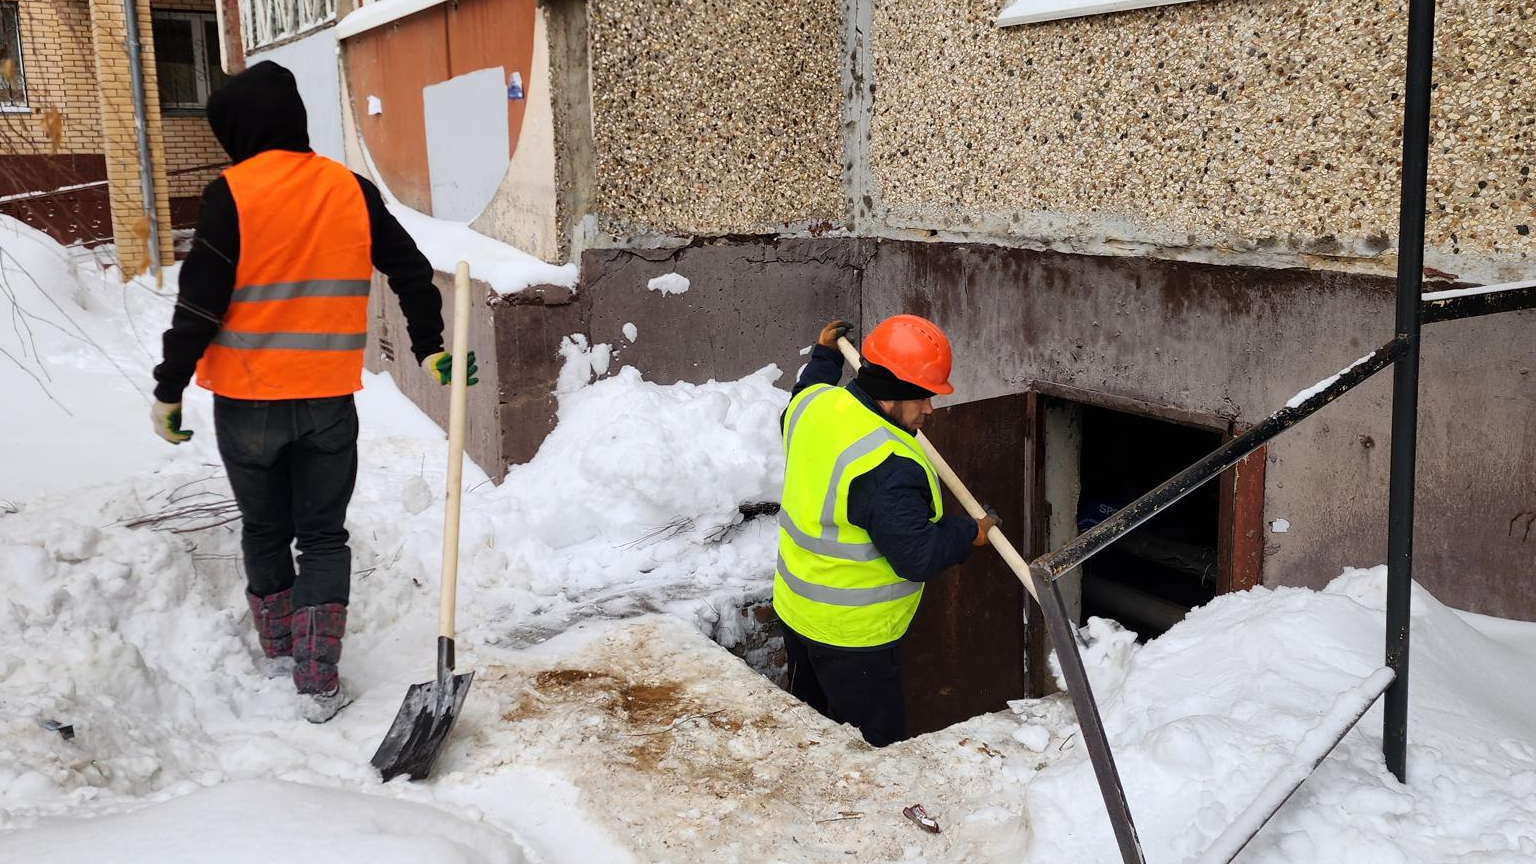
column 717, row 116
column 523, row 211
column 512, row 408
column 747, row 305
column 1250, row 127
column 1239, row 342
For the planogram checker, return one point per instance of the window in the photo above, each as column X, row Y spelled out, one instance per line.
column 1034, row 11
column 266, row 22
column 187, row 59
column 13, row 83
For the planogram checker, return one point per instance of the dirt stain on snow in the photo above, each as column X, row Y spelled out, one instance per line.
column 680, row 749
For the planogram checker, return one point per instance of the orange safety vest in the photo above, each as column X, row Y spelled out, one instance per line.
column 298, row 318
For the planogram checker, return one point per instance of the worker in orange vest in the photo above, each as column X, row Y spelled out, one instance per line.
column 272, row 312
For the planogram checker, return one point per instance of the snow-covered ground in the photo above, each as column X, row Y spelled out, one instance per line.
column 604, row 723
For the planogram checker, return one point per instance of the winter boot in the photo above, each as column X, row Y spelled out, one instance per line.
column 273, row 617
column 317, row 632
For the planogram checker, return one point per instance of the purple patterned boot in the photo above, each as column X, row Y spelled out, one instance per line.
column 317, row 632
column 273, row 617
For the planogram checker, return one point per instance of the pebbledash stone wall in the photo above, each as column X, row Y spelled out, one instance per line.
column 716, row 116
column 1245, row 131
column 1258, row 126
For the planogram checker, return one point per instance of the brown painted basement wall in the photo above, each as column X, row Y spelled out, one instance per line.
column 1222, row 341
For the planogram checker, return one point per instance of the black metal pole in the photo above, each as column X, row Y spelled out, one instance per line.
column 1489, row 300
column 1063, row 634
column 1405, row 378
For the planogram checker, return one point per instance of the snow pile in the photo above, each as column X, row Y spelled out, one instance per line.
column 633, row 502
column 239, row 820
column 138, row 637
column 122, row 616
column 1208, row 713
column 507, row 269
column 669, row 283
column 583, row 363
column 73, row 359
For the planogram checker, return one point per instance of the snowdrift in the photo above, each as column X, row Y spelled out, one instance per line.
column 597, row 732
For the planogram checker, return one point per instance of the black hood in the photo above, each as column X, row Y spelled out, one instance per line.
column 259, row 109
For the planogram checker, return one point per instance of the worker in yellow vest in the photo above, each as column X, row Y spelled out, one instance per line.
column 863, row 524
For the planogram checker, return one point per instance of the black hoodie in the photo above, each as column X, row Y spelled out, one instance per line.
column 258, row 110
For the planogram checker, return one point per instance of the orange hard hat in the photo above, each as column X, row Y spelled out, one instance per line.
column 914, row 349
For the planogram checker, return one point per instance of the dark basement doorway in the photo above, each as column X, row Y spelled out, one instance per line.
column 1150, row 578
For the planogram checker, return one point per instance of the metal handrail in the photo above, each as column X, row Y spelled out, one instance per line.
column 1054, row 565
column 1047, row 569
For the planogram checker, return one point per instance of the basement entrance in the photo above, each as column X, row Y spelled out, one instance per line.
column 1100, row 452
column 977, row 640
column 1150, row 578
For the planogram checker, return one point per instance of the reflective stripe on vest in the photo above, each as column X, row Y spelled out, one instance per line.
column 846, row 596
column 306, row 288
column 295, row 341
column 832, row 584
column 827, row 548
column 297, row 321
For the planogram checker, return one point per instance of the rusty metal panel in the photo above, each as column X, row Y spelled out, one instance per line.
column 964, row 654
column 484, row 34
column 394, row 63
column 1036, row 530
column 1240, row 536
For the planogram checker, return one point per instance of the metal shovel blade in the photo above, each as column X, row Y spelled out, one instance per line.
column 422, row 725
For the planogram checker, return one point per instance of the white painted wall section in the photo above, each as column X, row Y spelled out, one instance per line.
column 468, row 149
column 1035, row 11
column 314, row 61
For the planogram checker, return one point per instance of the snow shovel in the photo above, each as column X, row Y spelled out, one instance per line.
column 421, row 727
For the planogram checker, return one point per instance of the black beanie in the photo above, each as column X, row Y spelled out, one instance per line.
column 880, row 383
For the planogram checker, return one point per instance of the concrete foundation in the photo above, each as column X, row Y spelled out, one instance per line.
column 1216, row 346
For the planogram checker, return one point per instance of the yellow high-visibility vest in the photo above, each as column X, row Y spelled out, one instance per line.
column 832, row 585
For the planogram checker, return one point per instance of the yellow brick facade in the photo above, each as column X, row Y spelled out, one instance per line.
column 74, row 62
column 114, row 90
column 60, row 71
column 189, row 143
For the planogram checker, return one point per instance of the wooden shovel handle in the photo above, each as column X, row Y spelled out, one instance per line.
column 995, row 536
column 458, row 391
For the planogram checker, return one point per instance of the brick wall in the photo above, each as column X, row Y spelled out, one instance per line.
column 189, row 142
column 60, row 74
column 115, row 94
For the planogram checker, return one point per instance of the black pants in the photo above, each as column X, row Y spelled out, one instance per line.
column 859, row 687
column 292, row 464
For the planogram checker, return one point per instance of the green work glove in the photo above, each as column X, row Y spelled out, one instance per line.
column 440, row 367
column 167, row 419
